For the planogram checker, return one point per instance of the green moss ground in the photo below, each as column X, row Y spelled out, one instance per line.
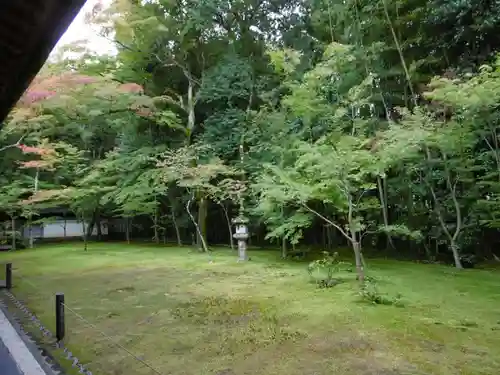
column 186, row 315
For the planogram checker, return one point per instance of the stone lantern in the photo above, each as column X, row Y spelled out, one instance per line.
column 241, row 235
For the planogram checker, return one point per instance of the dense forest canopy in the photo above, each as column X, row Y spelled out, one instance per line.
column 371, row 124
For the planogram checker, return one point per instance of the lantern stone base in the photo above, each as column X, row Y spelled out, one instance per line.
column 242, row 251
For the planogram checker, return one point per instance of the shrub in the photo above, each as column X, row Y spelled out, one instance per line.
column 370, row 293
column 329, row 265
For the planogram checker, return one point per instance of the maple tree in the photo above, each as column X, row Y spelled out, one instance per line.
column 292, row 92
column 210, row 178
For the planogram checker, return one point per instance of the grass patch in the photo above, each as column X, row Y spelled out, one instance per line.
column 187, row 313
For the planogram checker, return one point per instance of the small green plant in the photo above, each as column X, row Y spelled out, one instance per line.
column 329, row 264
column 370, row 293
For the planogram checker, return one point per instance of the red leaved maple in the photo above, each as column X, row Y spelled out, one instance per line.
column 35, row 164
column 34, row 96
column 35, row 150
column 44, row 87
column 132, row 88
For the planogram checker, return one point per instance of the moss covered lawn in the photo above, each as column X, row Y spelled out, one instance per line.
column 190, row 314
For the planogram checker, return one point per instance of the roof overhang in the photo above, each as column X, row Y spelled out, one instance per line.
column 29, row 30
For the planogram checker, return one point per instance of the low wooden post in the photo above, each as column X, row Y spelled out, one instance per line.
column 8, row 276
column 60, row 324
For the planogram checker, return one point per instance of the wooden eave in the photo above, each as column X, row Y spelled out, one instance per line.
column 29, row 30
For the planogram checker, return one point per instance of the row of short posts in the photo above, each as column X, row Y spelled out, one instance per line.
column 60, row 313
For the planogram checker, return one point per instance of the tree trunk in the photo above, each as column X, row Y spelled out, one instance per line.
column 90, row 227
column 351, row 236
column 191, row 106
column 427, row 249
column 356, row 245
column 127, row 230
column 229, row 226
column 99, row 227
column 456, row 255
column 156, row 237
column 176, row 227
column 35, row 190
column 30, row 231
column 359, row 261
column 37, row 174
column 202, row 223
column 13, row 225
column 458, row 213
column 65, row 225
column 284, row 249
column 329, row 233
column 383, row 204
column 452, row 244
column 195, row 223
column 84, row 235
column 324, row 242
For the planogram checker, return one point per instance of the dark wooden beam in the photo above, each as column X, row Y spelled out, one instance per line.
column 45, row 21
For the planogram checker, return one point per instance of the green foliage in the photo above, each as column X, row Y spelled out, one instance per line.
column 329, row 264
column 286, row 227
column 377, row 121
column 403, row 232
column 224, row 132
column 227, row 84
column 370, row 293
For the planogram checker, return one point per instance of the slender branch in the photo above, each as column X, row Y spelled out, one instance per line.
column 185, row 70
column 228, row 220
column 436, row 201
column 365, row 233
column 344, row 188
column 488, row 143
column 350, row 209
column 453, row 190
column 114, row 40
column 494, row 150
column 14, row 144
column 9, row 146
column 438, row 211
column 132, row 49
column 327, row 220
column 400, row 52
column 198, row 231
column 360, row 41
column 330, row 22
column 361, row 196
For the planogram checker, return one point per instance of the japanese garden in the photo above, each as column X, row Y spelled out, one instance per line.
column 264, row 187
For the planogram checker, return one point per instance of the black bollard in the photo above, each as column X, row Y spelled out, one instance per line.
column 8, row 276
column 60, row 324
